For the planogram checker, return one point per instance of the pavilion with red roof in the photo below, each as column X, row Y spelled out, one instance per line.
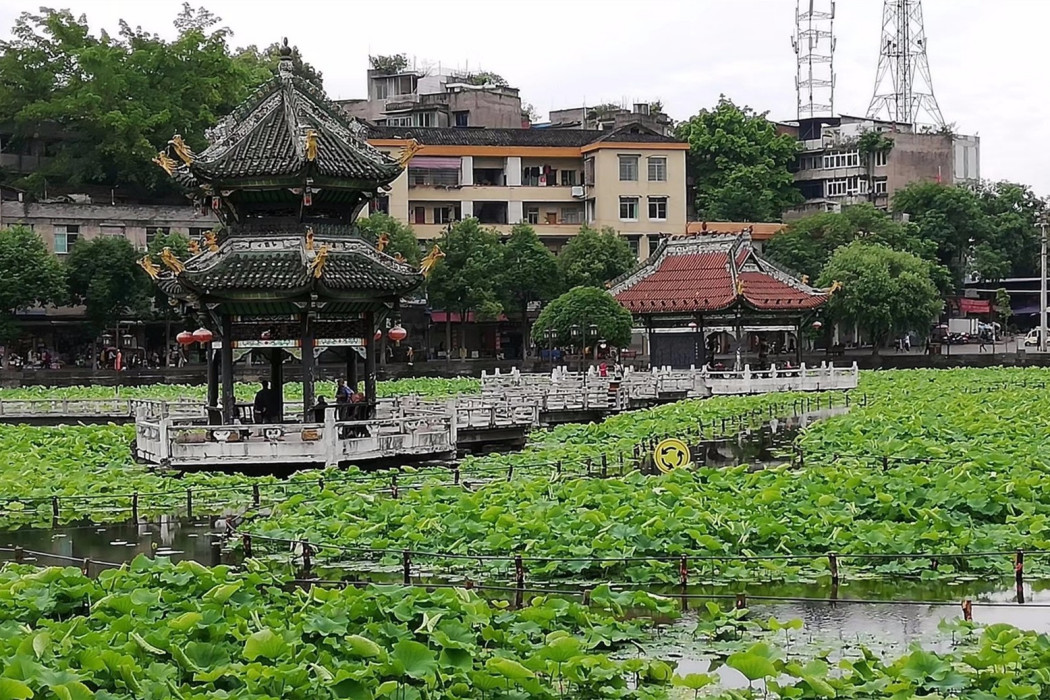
column 697, row 296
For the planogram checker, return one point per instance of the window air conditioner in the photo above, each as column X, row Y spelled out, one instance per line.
column 577, row 192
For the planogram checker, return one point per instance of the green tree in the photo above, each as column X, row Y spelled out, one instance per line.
column 270, row 58
column 1002, row 307
column 105, row 277
column 530, row 273
column 739, row 164
column 806, row 244
column 108, row 103
column 883, row 291
column 466, row 279
column 29, row 276
column 592, row 258
column 583, row 306
column 870, row 144
column 400, row 237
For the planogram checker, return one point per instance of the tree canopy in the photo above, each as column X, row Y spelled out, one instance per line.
column 401, row 240
column 467, row 277
column 739, row 164
column 105, row 277
column 988, row 232
column 583, row 306
column 29, row 276
column 883, row 291
column 592, row 258
column 807, row 244
column 106, row 104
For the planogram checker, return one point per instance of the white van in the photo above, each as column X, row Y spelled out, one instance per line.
column 1032, row 338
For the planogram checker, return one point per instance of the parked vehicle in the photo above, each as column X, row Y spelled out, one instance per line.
column 1032, row 338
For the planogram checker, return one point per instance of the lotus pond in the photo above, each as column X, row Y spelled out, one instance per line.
column 921, row 495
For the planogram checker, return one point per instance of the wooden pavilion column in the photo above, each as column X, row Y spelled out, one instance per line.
column 798, row 342
column 351, row 368
column 229, row 401
column 701, row 350
column 370, row 362
column 309, row 367
column 277, row 382
column 212, row 365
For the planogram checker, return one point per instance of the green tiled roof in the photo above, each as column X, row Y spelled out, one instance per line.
column 264, row 139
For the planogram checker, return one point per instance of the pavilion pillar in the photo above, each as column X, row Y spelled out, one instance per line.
column 229, row 401
column 212, row 365
column 309, row 367
column 277, row 382
column 798, row 342
column 351, row 368
column 370, row 362
column 701, row 348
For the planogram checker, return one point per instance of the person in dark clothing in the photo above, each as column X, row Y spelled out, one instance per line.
column 342, row 400
column 263, row 406
column 319, row 408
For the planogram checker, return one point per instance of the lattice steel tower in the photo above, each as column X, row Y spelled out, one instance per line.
column 814, row 43
column 903, row 86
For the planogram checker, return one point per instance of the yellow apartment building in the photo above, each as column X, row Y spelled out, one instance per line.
column 631, row 178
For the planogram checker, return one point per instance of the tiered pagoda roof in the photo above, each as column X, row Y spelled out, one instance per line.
column 287, row 172
column 710, row 274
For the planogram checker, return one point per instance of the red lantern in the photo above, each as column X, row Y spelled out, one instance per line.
column 185, row 338
column 397, row 334
column 379, row 335
column 202, row 335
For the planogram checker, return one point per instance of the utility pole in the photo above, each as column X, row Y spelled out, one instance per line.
column 1042, row 287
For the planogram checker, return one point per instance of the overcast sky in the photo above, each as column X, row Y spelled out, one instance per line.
column 989, row 58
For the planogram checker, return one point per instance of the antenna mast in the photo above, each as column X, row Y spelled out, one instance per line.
column 903, row 86
column 814, row 44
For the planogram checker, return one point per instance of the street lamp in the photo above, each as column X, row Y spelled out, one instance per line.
column 549, row 335
column 574, row 334
column 1043, row 221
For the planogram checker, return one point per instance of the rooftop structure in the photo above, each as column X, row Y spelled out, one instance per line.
column 403, row 95
column 286, row 173
column 696, row 287
column 609, row 117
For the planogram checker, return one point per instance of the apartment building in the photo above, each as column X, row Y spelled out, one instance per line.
column 631, row 178
column 63, row 221
column 831, row 172
column 411, row 97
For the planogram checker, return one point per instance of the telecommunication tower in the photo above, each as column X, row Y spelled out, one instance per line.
column 814, row 44
column 903, row 86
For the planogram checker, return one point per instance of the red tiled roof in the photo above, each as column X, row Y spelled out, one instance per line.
column 708, row 274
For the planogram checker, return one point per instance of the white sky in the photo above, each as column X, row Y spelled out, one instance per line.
column 989, row 58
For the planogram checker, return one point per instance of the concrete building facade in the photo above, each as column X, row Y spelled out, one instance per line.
column 631, row 179
column 831, row 172
column 610, row 117
column 415, row 98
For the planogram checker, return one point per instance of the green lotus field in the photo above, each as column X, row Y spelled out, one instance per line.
column 930, row 476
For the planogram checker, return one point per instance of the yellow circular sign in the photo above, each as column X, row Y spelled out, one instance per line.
column 671, row 454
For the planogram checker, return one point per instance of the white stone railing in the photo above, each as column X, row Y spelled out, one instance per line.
column 179, row 443
column 114, row 408
column 826, row 377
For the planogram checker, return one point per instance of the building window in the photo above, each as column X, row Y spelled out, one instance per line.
column 433, row 177
column 198, row 232
column 849, row 159
column 532, row 215
column 588, row 172
column 571, row 215
column 658, row 208
column 462, row 118
column 835, row 188
column 654, row 242
column 442, row 215
column 628, row 168
column 632, row 243
column 65, row 237
column 881, row 187
column 153, row 231
column 658, row 169
column 568, row 178
column 419, row 215
column 381, row 205
column 628, row 209
column 881, row 157
column 589, row 211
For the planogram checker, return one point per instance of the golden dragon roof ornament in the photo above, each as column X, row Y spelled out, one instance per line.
column 211, row 240
column 835, row 286
column 317, row 266
column 309, row 244
column 430, row 260
column 407, row 151
column 181, row 149
column 148, row 265
column 171, row 262
column 310, row 140
column 165, row 162
column 383, row 242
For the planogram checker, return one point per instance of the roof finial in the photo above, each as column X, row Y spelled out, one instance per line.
column 284, row 68
column 286, row 51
